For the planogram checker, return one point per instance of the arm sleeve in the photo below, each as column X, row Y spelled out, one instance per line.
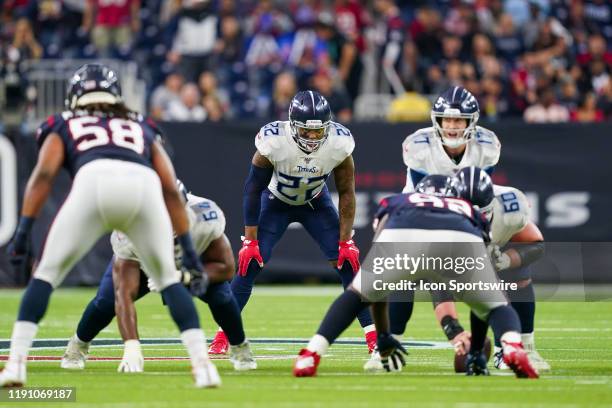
column 256, row 182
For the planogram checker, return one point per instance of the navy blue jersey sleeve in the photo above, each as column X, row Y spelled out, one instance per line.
column 158, row 135
column 53, row 124
column 386, row 205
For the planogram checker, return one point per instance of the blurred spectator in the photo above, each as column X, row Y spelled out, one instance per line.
column 214, row 100
column 568, row 95
column 600, row 13
column 508, row 41
column 194, row 34
column 302, row 50
column 394, row 43
column 112, row 24
column 187, row 108
column 230, row 45
column 164, row 94
column 343, row 53
column 547, row 110
column 604, row 102
column 337, row 98
column 426, row 31
column 285, row 88
column 587, row 111
column 24, row 46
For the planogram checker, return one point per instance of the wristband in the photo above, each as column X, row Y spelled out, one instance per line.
column 451, row 327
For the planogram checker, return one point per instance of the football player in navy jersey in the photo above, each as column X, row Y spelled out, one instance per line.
column 287, row 183
column 122, row 180
column 421, row 220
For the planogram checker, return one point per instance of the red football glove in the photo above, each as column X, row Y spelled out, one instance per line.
column 248, row 252
column 348, row 251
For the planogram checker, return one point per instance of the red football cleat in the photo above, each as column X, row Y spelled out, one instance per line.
column 516, row 358
column 306, row 364
column 219, row 345
column 371, row 340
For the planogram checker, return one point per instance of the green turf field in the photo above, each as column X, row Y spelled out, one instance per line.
column 576, row 338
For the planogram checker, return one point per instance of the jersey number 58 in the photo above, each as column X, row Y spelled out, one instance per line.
column 124, row 133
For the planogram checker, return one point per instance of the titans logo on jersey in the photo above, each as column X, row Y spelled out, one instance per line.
column 424, row 211
column 299, row 177
column 87, row 137
column 424, row 154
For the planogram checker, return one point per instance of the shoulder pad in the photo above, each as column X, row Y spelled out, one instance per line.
column 490, row 145
column 53, row 124
column 416, row 147
column 514, row 207
column 341, row 140
column 270, row 141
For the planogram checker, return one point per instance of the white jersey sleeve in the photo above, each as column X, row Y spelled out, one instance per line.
column 270, row 142
column 511, row 213
column 489, row 148
column 341, row 142
column 206, row 221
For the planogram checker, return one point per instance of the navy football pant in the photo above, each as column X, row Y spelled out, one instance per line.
column 319, row 218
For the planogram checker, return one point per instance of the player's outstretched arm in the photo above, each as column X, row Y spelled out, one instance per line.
column 344, row 177
column 218, row 260
column 126, row 280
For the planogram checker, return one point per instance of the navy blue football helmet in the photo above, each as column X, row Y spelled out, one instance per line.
column 434, row 184
column 455, row 102
column 93, row 83
column 309, row 116
column 474, row 185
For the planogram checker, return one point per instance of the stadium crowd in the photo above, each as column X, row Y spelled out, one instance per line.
column 545, row 61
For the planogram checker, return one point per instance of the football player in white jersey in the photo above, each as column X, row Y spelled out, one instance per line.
column 286, row 184
column 124, row 282
column 454, row 141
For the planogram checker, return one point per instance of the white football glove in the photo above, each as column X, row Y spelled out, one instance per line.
column 132, row 361
column 500, row 259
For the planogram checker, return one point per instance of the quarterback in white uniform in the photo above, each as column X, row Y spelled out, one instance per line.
column 125, row 281
column 453, row 142
column 286, row 184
